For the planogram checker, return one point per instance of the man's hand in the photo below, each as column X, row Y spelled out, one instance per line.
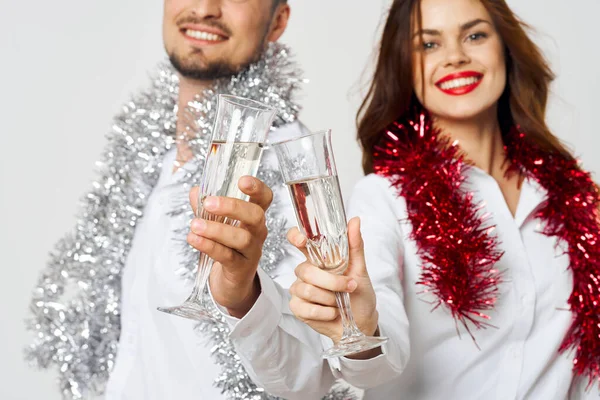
column 236, row 250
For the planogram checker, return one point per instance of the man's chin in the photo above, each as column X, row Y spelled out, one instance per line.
column 203, row 70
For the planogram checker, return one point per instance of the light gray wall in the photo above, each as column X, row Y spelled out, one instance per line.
column 68, row 65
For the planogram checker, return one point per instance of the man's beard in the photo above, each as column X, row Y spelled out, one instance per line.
column 217, row 69
column 189, row 68
column 211, row 71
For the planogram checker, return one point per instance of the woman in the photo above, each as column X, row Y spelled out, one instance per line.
column 480, row 230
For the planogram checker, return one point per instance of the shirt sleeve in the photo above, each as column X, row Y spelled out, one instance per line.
column 283, row 355
column 378, row 208
column 280, row 353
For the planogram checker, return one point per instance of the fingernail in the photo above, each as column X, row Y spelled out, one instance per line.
column 247, row 182
column 210, row 203
column 352, row 285
column 198, row 226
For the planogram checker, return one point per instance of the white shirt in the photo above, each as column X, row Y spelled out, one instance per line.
column 425, row 358
column 160, row 356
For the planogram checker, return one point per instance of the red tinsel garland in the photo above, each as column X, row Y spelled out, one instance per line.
column 456, row 246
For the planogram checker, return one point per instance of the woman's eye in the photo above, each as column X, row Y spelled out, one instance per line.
column 477, row 36
column 429, row 45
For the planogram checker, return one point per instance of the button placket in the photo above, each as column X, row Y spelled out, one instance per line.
column 523, row 300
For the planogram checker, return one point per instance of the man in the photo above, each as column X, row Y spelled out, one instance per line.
column 95, row 305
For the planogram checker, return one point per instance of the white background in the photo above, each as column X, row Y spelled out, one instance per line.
column 68, row 65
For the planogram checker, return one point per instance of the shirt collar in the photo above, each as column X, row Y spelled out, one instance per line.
column 531, row 197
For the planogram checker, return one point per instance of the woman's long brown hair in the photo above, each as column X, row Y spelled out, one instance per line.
column 391, row 92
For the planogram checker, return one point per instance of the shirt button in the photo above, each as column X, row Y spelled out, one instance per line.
column 516, row 352
column 128, row 338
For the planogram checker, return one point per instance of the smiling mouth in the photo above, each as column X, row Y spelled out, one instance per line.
column 459, row 83
column 203, row 35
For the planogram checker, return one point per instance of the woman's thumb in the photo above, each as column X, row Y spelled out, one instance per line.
column 357, row 265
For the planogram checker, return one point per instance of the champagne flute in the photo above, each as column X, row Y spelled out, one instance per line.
column 238, row 138
column 308, row 168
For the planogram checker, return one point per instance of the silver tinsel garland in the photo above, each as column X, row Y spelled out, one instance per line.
column 76, row 303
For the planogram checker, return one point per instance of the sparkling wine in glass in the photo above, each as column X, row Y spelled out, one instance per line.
column 238, row 138
column 308, row 168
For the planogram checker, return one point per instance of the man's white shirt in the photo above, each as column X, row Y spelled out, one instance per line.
column 161, row 356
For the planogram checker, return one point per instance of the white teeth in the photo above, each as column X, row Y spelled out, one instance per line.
column 203, row 35
column 460, row 82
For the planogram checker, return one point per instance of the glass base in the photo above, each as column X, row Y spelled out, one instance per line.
column 353, row 345
column 189, row 310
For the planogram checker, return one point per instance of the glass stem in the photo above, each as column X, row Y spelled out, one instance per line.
column 349, row 326
column 204, row 267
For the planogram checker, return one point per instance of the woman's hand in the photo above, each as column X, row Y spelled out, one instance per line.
column 313, row 293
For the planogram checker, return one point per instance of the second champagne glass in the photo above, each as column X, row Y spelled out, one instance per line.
column 238, row 137
column 308, row 168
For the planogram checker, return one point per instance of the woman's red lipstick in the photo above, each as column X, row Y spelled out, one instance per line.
column 467, row 82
